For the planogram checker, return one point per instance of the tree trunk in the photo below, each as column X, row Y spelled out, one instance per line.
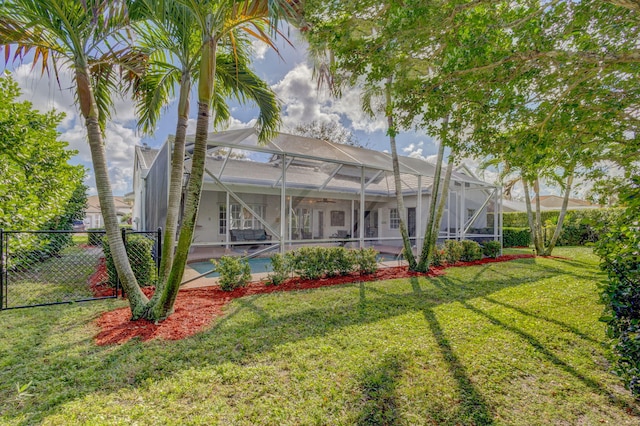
column 89, row 110
column 532, row 227
column 442, row 202
column 433, row 224
column 538, row 221
column 408, row 250
column 563, row 212
column 175, row 185
column 164, row 307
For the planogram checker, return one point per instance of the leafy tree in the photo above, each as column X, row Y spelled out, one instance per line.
column 331, row 132
column 39, row 189
column 87, row 38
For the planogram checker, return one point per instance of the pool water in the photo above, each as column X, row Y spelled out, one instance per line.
column 258, row 265
column 261, row 264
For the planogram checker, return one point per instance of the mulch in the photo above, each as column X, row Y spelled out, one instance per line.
column 196, row 308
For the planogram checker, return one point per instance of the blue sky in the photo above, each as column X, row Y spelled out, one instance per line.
column 290, row 75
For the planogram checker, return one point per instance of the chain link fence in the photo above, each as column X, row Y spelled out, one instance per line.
column 50, row 267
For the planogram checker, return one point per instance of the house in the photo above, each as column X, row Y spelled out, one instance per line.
column 144, row 157
column 93, row 214
column 296, row 190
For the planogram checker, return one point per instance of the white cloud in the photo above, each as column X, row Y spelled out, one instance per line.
column 304, row 103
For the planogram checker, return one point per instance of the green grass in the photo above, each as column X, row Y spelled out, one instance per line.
column 58, row 279
column 515, row 343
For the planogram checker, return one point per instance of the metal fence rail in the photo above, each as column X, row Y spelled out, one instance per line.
column 39, row 268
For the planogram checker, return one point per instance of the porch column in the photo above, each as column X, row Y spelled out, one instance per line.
column 283, row 204
column 228, row 227
column 419, row 216
column 361, row 220
column 463, row 212
column 289, row 216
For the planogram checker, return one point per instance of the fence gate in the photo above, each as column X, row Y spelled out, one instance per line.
column 39, row 268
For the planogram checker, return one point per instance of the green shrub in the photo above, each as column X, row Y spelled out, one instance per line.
column 338, row 261
column 439, row 257
column 491, row 249
column 234, row 272
column 364, row 260
column 281, row 269
column 317, row 262
column 579, row 227
column 308, row 262
column 516, row 237
column 618, row 249
column 139, row 251
column 470, row 251
column 453, row 251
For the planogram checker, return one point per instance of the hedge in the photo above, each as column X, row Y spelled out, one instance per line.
column 516, row 237
column 139, row 251
column 579, row 227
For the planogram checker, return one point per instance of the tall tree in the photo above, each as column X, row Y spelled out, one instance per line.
column 84, row 36
column 219, row 24
column 175, row 45
column 36, row 179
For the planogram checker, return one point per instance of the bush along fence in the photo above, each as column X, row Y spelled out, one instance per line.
column 619, row 250
column 580, row 227
column 51, row 267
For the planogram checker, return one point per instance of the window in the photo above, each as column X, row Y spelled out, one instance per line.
column 240, row 218
column 394, row 219
column 470, row 213
column 337, row 218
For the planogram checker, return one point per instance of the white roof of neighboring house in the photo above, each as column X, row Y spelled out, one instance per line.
column 93, row 205
column 547, row 202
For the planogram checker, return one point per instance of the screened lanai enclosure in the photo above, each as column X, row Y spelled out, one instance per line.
column 297, row 191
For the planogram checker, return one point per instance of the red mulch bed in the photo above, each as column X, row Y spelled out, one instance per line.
column 99, row 281
column 195, row 308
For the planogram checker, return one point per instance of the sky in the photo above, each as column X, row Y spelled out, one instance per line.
column 289, row 74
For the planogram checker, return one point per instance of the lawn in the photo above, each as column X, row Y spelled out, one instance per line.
column 515, row 343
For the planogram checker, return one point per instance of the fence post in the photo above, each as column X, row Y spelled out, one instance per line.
column 123, row 231
column 159, row 250
column 3, row 303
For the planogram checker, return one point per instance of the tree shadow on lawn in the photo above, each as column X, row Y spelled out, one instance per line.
column 248, row 330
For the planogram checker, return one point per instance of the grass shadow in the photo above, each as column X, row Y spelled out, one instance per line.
column 473, row 407
column 378, row 384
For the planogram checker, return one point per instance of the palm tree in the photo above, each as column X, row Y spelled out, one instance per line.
column 175, row 45
column 86, row 37
column 218, row 25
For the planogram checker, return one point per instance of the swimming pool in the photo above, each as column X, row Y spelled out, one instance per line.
column 261, row 264
column 258, row 265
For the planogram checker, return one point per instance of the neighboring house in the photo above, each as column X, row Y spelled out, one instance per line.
column 297, row 190
column 143, row 158
column 547, row 202
column 93, row 214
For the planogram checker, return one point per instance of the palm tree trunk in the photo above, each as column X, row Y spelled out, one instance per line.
column 164, row 306
column 88, row 107
column 176, row 182
column 408, row 250
column 563, row 213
